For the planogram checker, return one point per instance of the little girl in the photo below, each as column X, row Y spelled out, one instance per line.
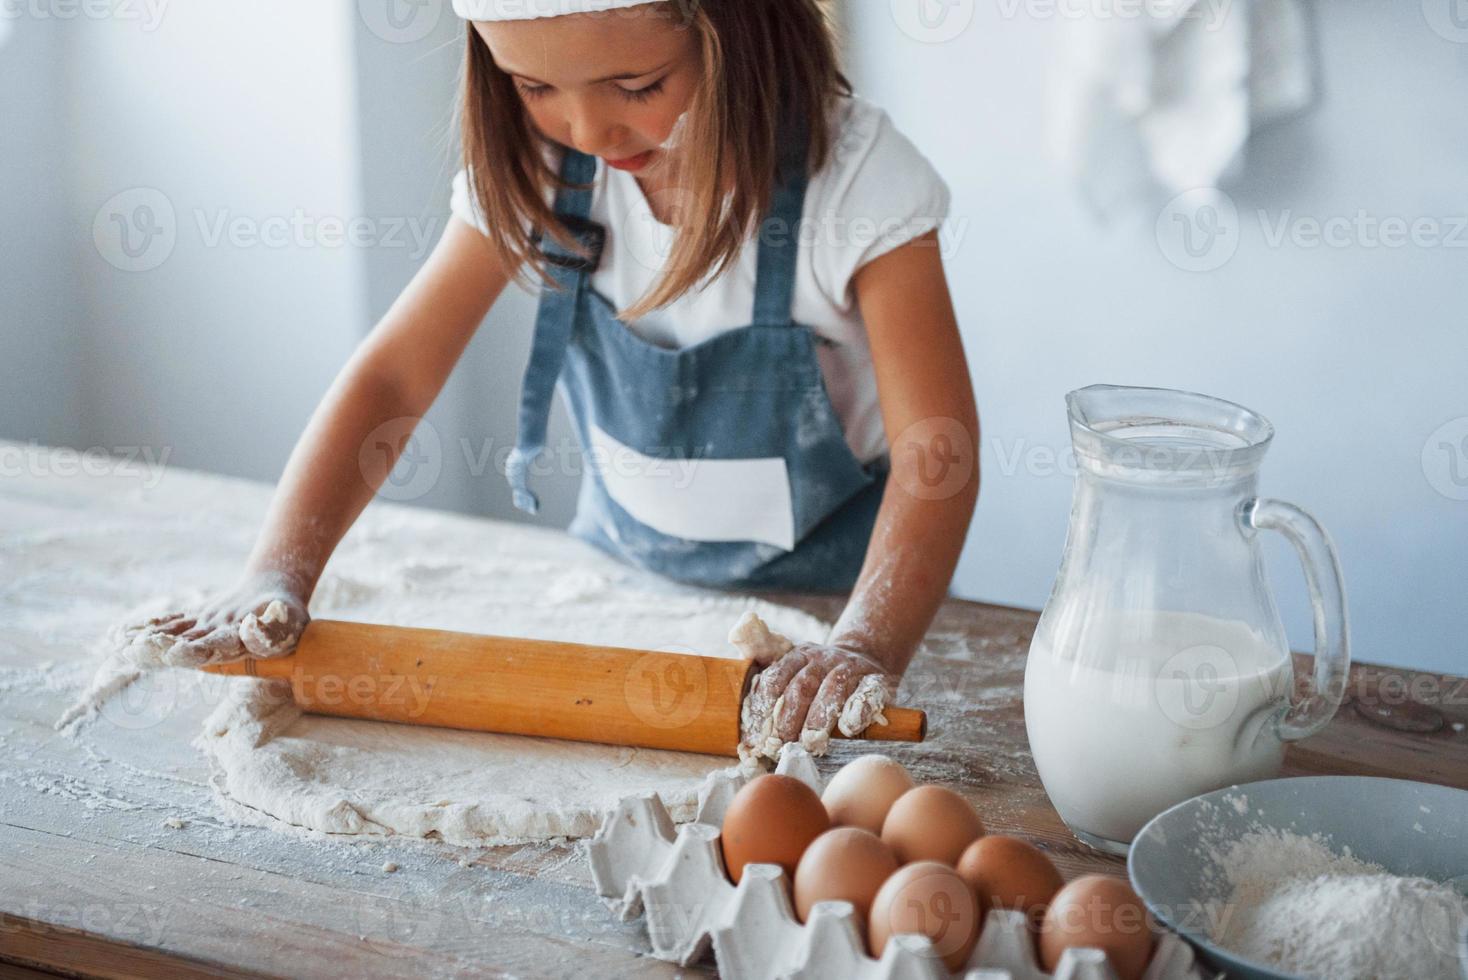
column 741, row 275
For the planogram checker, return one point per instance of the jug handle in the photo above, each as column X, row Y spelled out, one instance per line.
column 1318, row 704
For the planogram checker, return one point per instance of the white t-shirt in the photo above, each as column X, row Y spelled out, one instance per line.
column 876, row 192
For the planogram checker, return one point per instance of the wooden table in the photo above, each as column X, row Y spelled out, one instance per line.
column 93, row 881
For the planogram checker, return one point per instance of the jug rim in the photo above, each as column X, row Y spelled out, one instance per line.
column 1243, row 435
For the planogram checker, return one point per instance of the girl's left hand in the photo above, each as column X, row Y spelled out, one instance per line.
column 815, row 680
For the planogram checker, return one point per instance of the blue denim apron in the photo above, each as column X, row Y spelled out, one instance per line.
column 746, row 411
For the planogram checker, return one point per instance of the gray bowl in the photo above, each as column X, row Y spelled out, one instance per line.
column 1409, row 828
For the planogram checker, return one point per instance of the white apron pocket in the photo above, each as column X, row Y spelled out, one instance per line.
column 698, row 499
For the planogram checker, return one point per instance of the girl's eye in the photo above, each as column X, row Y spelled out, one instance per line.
column 643, row 94
column 532, row 91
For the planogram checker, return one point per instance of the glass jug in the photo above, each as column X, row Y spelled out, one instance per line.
column 1159, row 669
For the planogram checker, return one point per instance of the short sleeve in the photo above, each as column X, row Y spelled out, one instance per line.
column 877, row 193
column 463, row 205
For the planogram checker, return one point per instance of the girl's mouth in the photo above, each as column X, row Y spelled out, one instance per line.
column 633, row 163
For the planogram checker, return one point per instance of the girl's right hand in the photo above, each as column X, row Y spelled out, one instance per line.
column 262, row 616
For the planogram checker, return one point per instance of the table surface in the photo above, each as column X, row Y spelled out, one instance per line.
column 95, row 881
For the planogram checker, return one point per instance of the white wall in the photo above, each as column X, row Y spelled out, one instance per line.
column 40, row 371
column 1356, row 354
column 228, row 116
column 255, row 134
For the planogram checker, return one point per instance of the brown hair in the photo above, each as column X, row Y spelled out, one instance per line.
column 764, row 63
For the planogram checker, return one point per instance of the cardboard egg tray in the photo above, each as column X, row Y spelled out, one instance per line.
column 642, row 864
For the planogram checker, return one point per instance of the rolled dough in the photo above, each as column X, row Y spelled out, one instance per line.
column 275, row 767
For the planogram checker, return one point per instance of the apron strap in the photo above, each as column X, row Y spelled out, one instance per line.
column 779, row 233
column 774, row 288
column 554, row 320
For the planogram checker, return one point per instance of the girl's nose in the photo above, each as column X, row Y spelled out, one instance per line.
column 593, row 132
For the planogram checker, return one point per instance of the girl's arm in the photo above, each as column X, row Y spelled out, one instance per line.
column 392, row 377
column 933, row 429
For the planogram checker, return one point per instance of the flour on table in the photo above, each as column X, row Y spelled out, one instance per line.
column 274, row 766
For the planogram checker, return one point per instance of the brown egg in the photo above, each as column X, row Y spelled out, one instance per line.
column 930, row 899
column 1099, row 911
column 1008, row 873
column 771, row 821
column 845, row 864
column 862, row 792
column 931, row 823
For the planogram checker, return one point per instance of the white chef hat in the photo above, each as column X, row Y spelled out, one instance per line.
column 534, row 9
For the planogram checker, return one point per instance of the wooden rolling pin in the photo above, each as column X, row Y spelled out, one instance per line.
column 546, row 688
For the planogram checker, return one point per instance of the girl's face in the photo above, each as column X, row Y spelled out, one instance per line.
column 611, row 86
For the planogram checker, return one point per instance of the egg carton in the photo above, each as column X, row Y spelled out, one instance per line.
column 643, row 864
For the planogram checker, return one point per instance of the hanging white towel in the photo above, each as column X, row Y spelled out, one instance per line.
column 1161, row 95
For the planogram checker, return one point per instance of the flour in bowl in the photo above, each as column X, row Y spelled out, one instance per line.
column 1303, row 909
